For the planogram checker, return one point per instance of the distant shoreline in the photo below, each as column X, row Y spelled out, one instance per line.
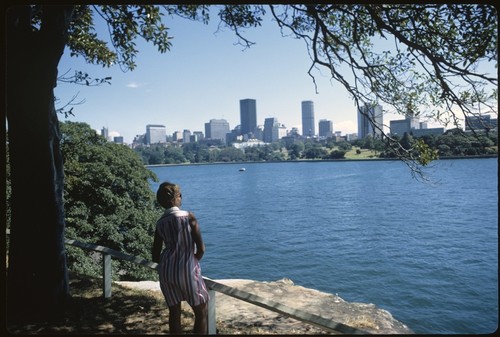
column 317, row 160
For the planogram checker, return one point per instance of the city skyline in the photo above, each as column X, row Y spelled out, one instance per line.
column 248, row 113
column 272, row 130
column 203, row 77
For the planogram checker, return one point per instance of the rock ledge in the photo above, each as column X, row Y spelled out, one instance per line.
column 238, row 313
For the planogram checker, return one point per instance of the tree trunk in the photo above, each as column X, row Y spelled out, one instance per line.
column 37, row 279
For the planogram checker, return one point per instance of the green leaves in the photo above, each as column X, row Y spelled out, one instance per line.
column 82, row 41
column 424, row 153
column 242, row 15
column 125, row 25
column 108, row 199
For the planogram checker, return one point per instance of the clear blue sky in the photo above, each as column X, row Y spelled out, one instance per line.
column 204, row 76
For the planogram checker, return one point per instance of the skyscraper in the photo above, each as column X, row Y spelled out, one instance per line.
column 325, row 128
column 186, row 136
column 270, row 124
column 308, row 129
column 156, row 134
column 217, row 129
column 104, row 132
column 248, row 115
column 370, row 121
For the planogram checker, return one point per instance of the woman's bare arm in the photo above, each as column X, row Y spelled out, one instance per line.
column 197, row 238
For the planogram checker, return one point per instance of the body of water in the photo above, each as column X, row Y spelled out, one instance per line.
column 365, row 230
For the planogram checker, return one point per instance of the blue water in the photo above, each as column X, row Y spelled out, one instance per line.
column 367, row 231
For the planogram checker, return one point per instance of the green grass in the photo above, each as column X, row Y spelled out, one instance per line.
column 365, row 154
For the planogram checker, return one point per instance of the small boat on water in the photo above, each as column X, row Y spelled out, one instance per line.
column 242, row 169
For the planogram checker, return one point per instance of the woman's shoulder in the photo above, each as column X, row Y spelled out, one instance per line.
column 173, row 212
column 180, row 212
column 176, row 211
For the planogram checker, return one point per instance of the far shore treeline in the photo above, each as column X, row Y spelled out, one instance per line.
column 453, row 143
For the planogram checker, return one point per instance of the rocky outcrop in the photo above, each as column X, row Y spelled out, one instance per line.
column 241, row 315
column 363, row 316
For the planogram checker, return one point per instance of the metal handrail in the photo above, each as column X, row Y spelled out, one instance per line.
column 213, row 287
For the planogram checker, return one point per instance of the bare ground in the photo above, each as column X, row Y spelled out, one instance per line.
column 129, row 311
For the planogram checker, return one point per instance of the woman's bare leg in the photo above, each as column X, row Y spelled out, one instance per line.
column 174, row 321
column 200, row 319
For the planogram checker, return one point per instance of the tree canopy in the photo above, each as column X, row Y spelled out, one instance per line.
column 108, row 201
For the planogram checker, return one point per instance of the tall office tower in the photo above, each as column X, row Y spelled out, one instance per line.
column 248, row 115
column 104, row 132
column 217, row 129
column 325, row 128
column 373, row 127
column 308, row 129
column 186, row 136
column 270, row 124
column 156, row 134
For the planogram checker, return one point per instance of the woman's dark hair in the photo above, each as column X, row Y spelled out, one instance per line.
column 166, row 193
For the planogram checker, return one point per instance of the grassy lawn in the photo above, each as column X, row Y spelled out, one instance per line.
column 365, row 154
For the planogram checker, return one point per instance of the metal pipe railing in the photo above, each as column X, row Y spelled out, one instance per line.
column 213, row 287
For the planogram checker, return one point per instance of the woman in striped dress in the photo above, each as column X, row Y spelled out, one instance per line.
column 179, row 269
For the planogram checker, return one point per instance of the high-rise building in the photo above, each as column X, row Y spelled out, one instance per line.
column 104, row 132
column 186, row 136
column 269, row 125
column 248, row 115
column 325, row 128
column 217, row 129
column 370, row 121
column 308, row 129
column 156, row 134
column 273, row 131
column 402, row 126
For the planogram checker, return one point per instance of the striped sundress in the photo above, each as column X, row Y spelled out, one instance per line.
column 179, row 269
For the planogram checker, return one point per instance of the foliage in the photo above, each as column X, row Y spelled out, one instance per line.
column 229, row 154
column 336, row 154
column 453, row 143
column 108, row 201
column 432, row 67
column 315, row 152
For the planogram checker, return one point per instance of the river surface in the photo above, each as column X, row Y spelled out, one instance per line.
column 366, row 230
